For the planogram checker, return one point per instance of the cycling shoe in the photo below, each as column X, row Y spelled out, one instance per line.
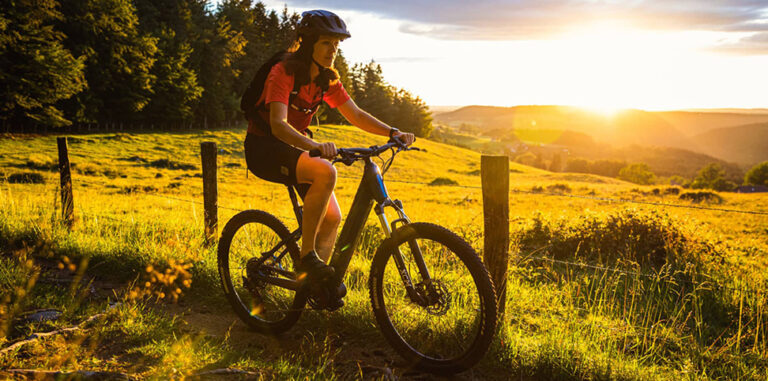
column 313, row 269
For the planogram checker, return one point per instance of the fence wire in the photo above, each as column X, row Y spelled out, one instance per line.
column 530, row 256
column 587, row 197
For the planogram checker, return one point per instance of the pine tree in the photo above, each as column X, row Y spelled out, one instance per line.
column 176, row 89
column 118, row 59
column 36, row 70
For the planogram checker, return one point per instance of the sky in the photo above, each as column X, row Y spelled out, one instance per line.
column 599, row 54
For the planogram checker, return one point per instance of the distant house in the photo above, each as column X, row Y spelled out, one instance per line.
column 751, row 189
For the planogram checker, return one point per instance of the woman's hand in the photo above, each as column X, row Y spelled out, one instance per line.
column 405, row 137
column 327, row 150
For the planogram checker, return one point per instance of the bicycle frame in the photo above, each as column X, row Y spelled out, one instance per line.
column 371, row 189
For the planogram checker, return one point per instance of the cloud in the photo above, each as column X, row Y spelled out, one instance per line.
column 755, row 44
column 534, row 19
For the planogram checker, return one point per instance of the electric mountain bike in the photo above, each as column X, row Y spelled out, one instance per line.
column 432, row 298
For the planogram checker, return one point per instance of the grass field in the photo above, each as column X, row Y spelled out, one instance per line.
column 658, row 292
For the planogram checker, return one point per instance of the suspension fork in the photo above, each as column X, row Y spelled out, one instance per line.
column 416, row 252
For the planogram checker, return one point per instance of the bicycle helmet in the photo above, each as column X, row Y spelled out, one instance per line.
column 318, row 22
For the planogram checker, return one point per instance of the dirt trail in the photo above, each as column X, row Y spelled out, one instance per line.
column 355, row 358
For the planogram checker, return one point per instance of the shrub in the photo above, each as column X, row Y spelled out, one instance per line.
column 712, row 176
column 649, row 239
column 442, row 181
column 758, row 175
column 559, row 188
column 41, row 163
column 638, row 173
column 26, row 178
column 702, row 196
column 170, row 164
column 138, row 188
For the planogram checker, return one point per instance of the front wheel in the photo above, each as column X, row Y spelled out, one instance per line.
column 446, row 322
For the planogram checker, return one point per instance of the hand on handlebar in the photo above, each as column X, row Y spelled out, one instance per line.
column 406, row 138
column 325, row 150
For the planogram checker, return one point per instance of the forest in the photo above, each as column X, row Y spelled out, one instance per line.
column 159, row 62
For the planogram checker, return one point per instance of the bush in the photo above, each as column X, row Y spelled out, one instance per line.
column 442, row 181
column 41, row 163
column 649, row 239
column 26, row 178
column 170, row 164
column 758, row 175
column 702, row 196
column 638, row 173
column 712, row 176
column 559, row 188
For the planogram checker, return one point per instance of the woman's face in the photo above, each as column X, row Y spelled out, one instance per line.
column 325, row 50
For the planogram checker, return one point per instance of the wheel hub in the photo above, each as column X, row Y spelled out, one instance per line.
column 436, row 296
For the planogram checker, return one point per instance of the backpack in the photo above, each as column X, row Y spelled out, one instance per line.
column 253, row 93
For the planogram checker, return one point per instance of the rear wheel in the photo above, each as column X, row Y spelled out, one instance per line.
column 253, row 244
column 447, row 324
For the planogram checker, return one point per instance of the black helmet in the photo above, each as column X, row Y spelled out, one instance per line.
column 319, row 22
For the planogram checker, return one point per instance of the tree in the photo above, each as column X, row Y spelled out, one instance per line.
column 176, row 89
column 712, row 176
column 557, row 163
column 37, row 70
column 118, row 59
column 411, row 114
column 577, row 165
column 608, row 168
column 638, row 173
column 758, row 175
column 393, row 106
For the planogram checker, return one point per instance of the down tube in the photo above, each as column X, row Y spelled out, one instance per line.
column 350, row 232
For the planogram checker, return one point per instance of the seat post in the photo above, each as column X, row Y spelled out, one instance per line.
column 297, row 209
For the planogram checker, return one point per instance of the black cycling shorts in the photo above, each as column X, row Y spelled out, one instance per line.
column 271, row 159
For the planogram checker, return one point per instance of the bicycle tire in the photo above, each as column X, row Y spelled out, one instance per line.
column 245, row 236
column 407, row 335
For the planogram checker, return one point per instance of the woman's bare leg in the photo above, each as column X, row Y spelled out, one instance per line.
column 321, row 176
column 326, row 232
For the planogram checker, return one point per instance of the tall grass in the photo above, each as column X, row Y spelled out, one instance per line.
column 637, row 293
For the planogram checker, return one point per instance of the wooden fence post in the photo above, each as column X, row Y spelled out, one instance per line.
column 67, row 201
column 494, row 173
column 210, row 190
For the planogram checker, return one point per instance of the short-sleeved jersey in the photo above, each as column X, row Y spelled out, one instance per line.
column 278, row 88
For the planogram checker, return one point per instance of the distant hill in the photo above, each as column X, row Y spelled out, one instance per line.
column 674, row 129
column 743, row 144
column 731, row 110
column 627, row 127
column 441, row 109
column 663, row 161
column 694, row 123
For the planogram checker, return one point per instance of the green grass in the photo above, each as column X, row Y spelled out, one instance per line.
column 664, row 317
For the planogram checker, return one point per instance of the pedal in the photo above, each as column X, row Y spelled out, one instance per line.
column 336, row 302
column 327, row 297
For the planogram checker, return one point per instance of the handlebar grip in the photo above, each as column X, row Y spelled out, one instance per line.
column 314, row 152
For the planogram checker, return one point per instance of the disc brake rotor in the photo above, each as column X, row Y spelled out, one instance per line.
column 437, row 296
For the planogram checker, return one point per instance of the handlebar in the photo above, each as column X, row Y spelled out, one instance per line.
column 350, row 155
column 370, row 151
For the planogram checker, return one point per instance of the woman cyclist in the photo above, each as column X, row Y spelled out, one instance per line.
column 277, row 141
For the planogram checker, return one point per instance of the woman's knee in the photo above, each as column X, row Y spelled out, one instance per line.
column 316, row 171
